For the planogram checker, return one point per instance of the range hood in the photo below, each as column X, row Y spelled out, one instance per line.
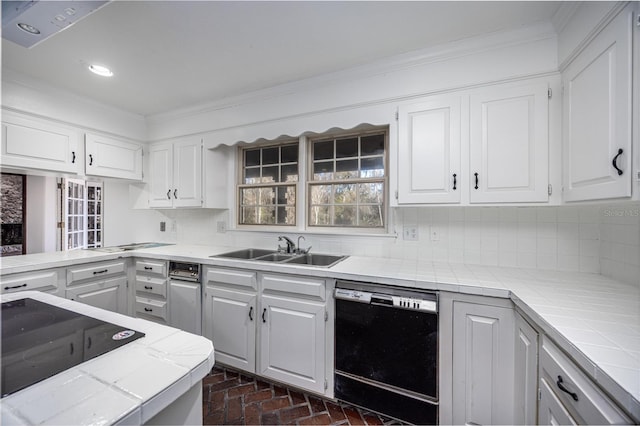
column 28, row 23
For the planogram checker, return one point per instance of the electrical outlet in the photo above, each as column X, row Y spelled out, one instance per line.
column 410, row 233
column 221, row 226
column 434, row 233
column 163, row 226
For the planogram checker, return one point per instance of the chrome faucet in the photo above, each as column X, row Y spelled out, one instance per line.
column 299, row 250
column 291, row 247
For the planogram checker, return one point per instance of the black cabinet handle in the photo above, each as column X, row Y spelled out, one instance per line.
column 148, row 268
column 71, row 344
column 90, row 160
column 251, row 313
column 148, row 310
column 73, row 157
column 615, row 159
column 148, row 287
column 100, row 272
column 563, row 389
column 175, row 194
column 264, row 312
column 15, row 286
column 89, row 342
column 168, row 194
column 455, row 181
column 476, row 175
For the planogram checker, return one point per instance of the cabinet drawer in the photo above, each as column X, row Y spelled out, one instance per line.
column 151, row 285
column 151, row 307
column 152, row 267
column 231, row 277
column 42, row 281
column 292, row 284
column 95, row 271
column 588, row 403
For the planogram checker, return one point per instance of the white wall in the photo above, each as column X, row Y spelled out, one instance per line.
column 41, row 214
column 620, row 241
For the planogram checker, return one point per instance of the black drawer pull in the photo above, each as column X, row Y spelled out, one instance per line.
column 264, row 312
column 454, row 181
column 148, row 310
column 100, row 272
column 73, row 157
column 251, row 313
column 615, row 159
column 563, row 389
column 89, row 342
column 476, row 175
column 148, row 287
column 148, row 268
column 175, row 194
column 168, row 194
column 71, row 344
column 15, row 286
column 90, row 160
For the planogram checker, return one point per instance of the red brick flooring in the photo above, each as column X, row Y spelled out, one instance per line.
column 233, row 398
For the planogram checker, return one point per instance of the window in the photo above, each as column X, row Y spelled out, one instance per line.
column 347, row 181
column 267, row 192
column 83, row 214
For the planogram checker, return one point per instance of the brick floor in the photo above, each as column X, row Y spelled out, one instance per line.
column 233, row 398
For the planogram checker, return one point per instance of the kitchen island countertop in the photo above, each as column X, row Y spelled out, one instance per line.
column 129, row 385
column 594, row 318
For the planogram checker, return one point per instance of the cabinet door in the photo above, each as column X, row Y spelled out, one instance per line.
column 112, row 158
column 292, row 342
column 551, row 411
column 429, row 151
column 37, row 144
column 161, row 175
column 187, row 173
column 109, row 294
column 597, row 116
column 230, row 322
column 509, row 144
column 185, row 306
column 483, row 364
column 526, row 373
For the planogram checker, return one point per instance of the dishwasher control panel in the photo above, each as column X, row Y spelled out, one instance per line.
column 402, row 302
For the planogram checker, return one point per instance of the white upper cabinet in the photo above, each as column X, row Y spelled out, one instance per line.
column 597, row 116
column 30, row 143
column 110, row 157
column 429, row 151
column 509, row 144
column 175, row 174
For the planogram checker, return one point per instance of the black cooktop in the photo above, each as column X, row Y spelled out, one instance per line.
column 40, row 340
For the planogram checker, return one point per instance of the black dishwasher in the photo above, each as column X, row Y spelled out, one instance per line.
column 386, row 350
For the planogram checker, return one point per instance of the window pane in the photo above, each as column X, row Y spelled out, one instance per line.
column 320, row 194
column 266, row 196
column 252, row 157
column 267, row 215
column 370, row 193
column 372, row 145
column 249, row 215
column 346, row 169
column 372, row 167
column 323, row 170
column 270, row 174
column 289, row 154
column 345, row 215
column 323, row 150
column 289, row 173
column 286, row 216
column 98, row 223
column 282, row 195
column 370, row 216
column 320, row 215
column 345, row 194
column 271, row 155
column 252, row 175
column 347, row 148
column 249, row 196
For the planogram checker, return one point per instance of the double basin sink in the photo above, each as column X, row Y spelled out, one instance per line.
column 304, row 259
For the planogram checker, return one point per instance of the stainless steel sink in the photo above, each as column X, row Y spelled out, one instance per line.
column 326, row 260
column 262, row 255
column 246, row 254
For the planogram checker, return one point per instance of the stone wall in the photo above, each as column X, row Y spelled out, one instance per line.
column 11, row 213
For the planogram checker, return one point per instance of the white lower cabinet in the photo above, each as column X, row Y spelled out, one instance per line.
column 269, row 324
column 151, row 290
column 526, row 373
column 568, row 396
column 50, row 281
column 101, row 284
column 483, row 364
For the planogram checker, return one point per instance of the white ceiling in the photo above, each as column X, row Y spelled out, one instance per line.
column 168, row 55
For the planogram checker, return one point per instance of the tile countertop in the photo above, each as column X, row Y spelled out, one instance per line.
column 594, row 318
column 122, row 386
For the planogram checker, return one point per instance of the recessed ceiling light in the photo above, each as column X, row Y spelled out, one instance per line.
column 28, row 28
column 100, row 70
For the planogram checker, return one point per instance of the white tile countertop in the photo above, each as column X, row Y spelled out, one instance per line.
column 594, row 318
column 128, row 385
